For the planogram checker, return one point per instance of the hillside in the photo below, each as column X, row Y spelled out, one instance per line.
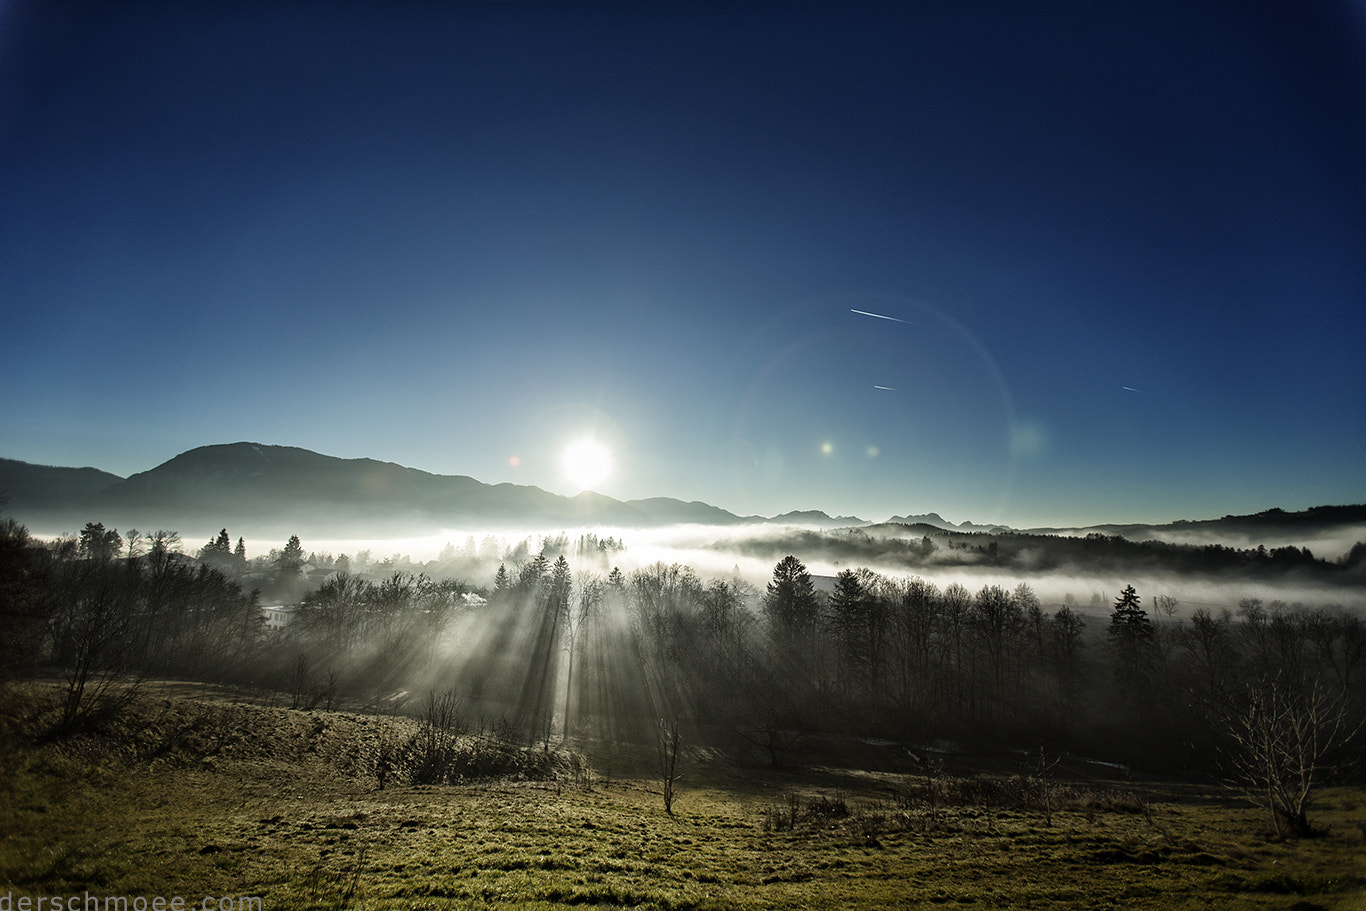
column 287, row 489
column 281, row 490
column 42, row 488
column 211, row 796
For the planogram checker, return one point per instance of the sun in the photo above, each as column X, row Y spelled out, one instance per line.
column 586, row 463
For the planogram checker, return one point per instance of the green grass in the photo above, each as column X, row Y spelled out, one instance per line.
column 305, row 828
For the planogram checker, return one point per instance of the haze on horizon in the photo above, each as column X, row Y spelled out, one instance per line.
column 1061, row 268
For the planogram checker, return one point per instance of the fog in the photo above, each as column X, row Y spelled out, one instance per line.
column 751, row 551
column 533, row 639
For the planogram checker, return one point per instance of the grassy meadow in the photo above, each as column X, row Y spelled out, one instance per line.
column 195, row 794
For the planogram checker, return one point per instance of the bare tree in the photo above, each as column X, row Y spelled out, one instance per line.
column 95, row 639
column 1281, row 739
column 668, row 742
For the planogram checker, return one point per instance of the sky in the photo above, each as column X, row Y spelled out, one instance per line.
column 1060, row 265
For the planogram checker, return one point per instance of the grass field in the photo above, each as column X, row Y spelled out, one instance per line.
column 183, row 797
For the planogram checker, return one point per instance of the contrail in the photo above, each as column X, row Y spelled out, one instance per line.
column 876, row 315
column 888, row 388
column 1130, row 389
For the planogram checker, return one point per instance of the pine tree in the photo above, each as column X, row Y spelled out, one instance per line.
column 790, row 600
column 849, row 628
column 292, row 557
column 1131, row 637
column 1128, row 619
column 558, row 585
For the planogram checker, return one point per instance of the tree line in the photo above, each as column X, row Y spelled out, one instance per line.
column 924, row 548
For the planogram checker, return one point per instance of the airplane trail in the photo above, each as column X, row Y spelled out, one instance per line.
column 1130, row 389
column 888, row 388
column 876, row 315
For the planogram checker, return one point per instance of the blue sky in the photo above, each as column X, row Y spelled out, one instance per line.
column 462, row 237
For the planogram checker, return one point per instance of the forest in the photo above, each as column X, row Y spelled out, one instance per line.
column 560, row 649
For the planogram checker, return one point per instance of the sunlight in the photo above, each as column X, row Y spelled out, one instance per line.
column 586, row 462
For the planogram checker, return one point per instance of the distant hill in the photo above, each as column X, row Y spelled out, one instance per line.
column 814, row 517
column 43, row 489
column 927, row 549
column 938, row 521
column 1259, row 527
column 291, row 489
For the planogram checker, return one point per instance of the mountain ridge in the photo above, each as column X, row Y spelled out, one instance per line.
column 299, row 490
column 292, row 487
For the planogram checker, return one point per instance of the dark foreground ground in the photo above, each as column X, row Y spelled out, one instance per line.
column 195, row 795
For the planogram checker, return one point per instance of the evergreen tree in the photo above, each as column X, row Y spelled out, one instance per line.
column 848, row 627
column 291, row 560
column 1129, row 620
column 532, row 574
column 1131, row 638
column 790, row 601
column 218, row 551
column 99, row 544
column 558, row 585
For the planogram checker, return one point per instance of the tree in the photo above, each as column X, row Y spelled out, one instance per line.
column 26, row 598
column 915, row 619
column 94, row 635
column 1034, row 619
column 218, row 553
column 97, row 544
column 1280, row 739
column 790, row 601
column 558, row 586
column 1068, row 627
column 997, row 621
column 581, row 612
column 291, row 561
column 161, row 544
column 532, row 573
column 668, row 744
column 848, row 622
column 1131, row 638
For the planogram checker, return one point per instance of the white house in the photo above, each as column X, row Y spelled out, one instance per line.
column 278, row 616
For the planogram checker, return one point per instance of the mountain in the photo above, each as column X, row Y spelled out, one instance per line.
column 287, row 489
column 815, row 517
column 666, row 511
column 933, row 518
column 45, row 488
column 1257, row 527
